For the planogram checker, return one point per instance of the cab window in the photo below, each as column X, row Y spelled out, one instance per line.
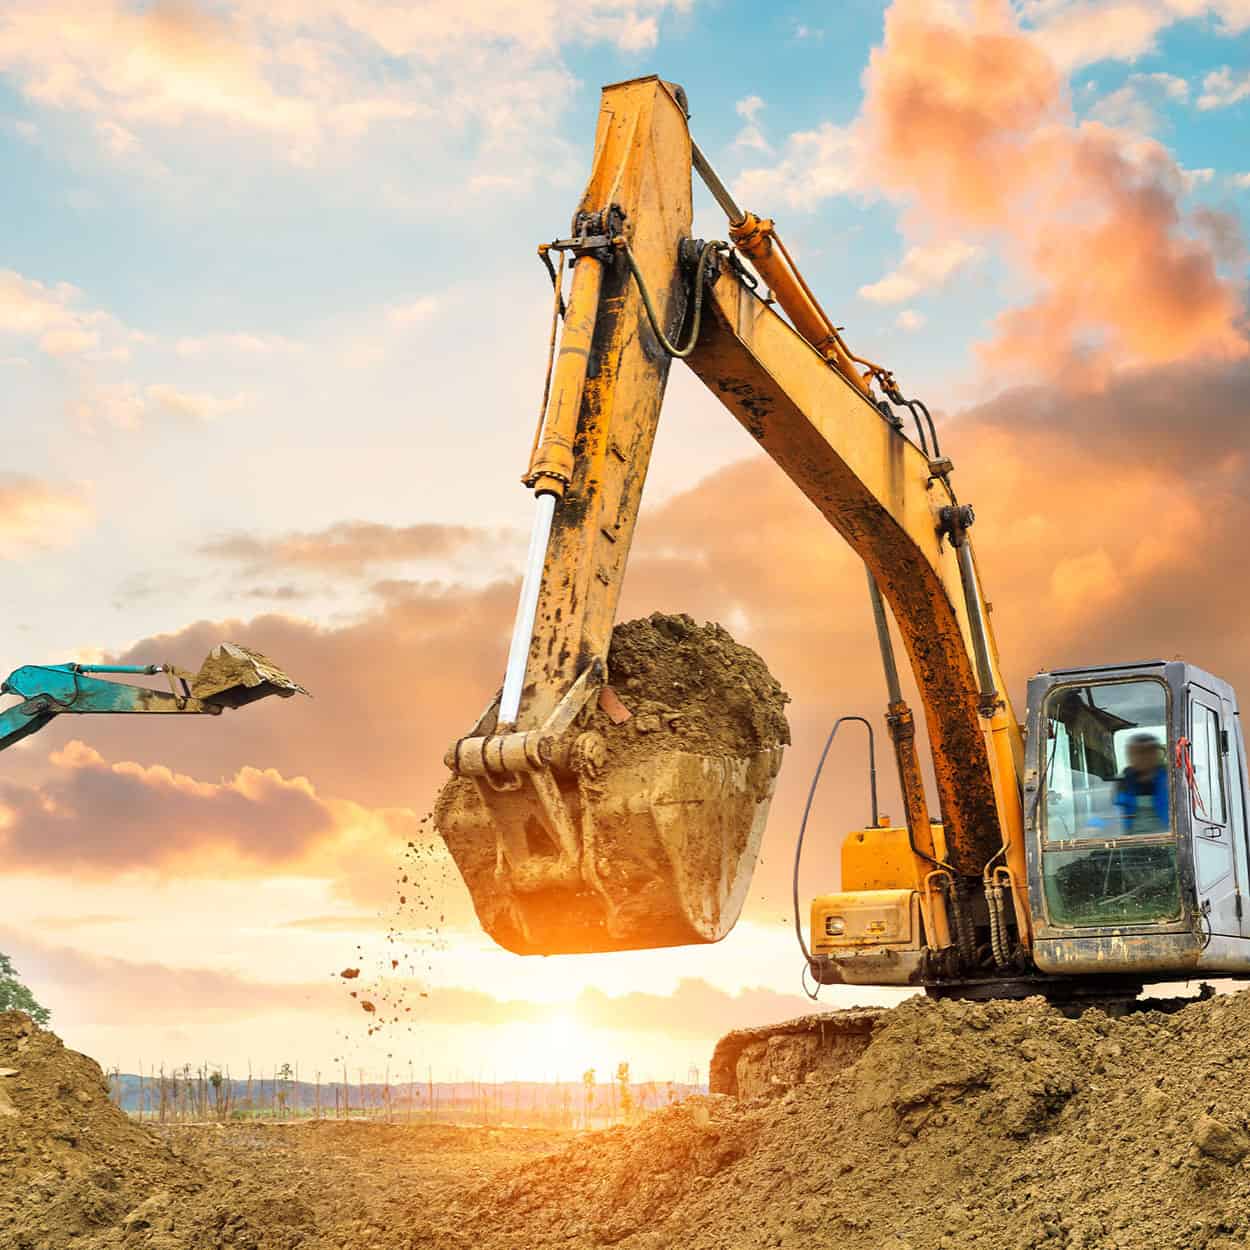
column 1105, row 769
column 1109, row 857
column 1205, row 754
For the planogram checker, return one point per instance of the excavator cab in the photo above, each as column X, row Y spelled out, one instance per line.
column 1135, row 815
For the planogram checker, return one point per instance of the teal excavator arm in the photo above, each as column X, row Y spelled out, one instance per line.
column 230, row 676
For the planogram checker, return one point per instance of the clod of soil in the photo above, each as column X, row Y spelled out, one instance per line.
column 691, row 688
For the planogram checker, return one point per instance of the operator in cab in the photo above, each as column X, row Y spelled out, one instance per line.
column 1141, row 790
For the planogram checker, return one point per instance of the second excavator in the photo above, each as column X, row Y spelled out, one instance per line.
column 1095, row 846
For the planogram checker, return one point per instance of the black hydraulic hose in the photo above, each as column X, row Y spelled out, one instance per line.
column 679, row 353
column 913, row 404
column 924, row 444
column 807, row 811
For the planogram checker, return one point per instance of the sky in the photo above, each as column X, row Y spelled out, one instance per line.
column 272, row 337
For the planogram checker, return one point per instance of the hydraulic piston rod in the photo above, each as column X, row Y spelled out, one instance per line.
column 551, row 469
column 523, row 627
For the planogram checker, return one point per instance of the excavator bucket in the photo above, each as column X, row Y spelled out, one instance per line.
column 232, row 676
column 645, row 854
column 632, row 817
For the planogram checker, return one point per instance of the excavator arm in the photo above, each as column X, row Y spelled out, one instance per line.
column 539, row 822
column 231, row 676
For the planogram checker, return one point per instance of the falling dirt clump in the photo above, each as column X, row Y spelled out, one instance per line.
column 692, row 688
column 70, row 1162
column 1003, row 1125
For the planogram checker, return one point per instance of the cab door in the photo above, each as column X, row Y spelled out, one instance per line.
column 1211, row 815
column 1235, row 764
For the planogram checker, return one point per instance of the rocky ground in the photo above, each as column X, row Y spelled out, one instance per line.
column 961, row 1125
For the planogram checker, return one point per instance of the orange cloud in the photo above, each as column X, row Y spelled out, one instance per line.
column 35, row 514
column 970, row 123
column 347, row 547
column 117, row 816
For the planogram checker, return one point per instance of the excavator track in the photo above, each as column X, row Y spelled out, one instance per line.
column 772, row 1058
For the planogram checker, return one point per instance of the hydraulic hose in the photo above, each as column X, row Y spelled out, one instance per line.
column 696, row 320
column 807, row 811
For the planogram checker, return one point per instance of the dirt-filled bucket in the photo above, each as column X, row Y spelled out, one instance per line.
column 645, row 833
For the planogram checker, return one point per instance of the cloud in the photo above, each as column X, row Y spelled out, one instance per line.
column 751, row 136
column 414, row 312
column 109, row 988
column 815, row 165
column 922, row 269
column 52, row 317
column 1134, row 105
column 694, row 1009
column 237, row 344
column 1221, row 89
column 100, row 986
column 36, row 515
column 129, row 406
column 969, row 125
column 117, row 139
column 112, row 817
column 910, row 319
column 106, row 819
column 309, row 73
column 1115, row 511
column 195, row 405
column 347, row 548
column 1080, row 32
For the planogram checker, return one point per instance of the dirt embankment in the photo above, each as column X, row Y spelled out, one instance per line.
column 1003, row 1126
column 70, row 1162
column 962, row 1125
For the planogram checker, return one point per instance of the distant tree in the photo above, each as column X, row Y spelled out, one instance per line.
column 588, row 1097
column 626, row 1094
column 14, row 996
column 283, row 1074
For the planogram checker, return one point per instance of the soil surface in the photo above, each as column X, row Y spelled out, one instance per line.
column 1001, row 1125
column 690, row 688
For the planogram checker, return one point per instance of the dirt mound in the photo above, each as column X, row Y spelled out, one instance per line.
column 70, row 1162
column 690, row 687
column 1002, row 1125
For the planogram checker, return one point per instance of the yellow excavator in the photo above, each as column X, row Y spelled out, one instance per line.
column 1095, row 847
